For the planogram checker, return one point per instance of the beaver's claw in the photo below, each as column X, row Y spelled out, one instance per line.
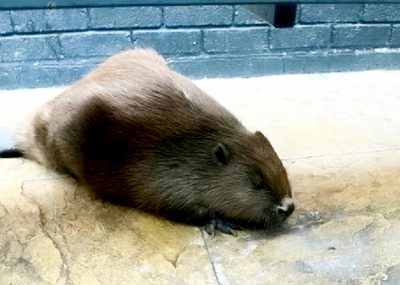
column 218, row 224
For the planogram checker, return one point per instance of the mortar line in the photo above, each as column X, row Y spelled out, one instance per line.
column 209, row 257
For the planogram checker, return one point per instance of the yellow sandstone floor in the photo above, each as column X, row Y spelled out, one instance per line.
column 339, row 137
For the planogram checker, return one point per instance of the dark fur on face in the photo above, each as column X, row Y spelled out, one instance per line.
column 141, row 135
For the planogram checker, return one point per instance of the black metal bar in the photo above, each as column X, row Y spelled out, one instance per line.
column 96, row 3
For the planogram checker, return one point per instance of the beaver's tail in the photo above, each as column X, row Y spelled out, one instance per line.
column 10, row 153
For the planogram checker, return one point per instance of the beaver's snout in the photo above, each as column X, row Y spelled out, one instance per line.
column 286, row 208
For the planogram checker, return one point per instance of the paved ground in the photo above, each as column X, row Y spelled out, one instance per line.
column 339, row 137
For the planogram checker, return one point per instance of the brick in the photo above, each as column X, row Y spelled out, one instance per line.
column 42, row 20
column 28, row 21
column 186, row 42
column 321, row 63
column 126, row 17
column 250, row 40
column 335, row 62
column 330, row 13
column 381, row 13
column 28, row 48
column 67, row 19
column 395, row 41
column 93, row 44
column 46, row 74
column 300, row 37
column 249, row 15
column 209, row 15
column 360, row 35
column 217, row 66
column 380, row 60
column 5, row 22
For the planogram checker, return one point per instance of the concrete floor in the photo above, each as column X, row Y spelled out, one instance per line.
column 339, row 137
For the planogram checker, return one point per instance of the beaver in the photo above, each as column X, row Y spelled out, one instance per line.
column 139, row 134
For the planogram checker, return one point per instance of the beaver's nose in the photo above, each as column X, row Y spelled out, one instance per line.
column 286, row 208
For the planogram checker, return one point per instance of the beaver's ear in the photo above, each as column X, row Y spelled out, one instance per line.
column 221, row 155
column 261, row 139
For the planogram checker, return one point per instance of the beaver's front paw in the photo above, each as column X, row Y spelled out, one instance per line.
column 218, row 224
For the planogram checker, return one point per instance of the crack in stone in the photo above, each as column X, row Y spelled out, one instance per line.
column 27, row 265
column 46, row 178
column 340, row 154
column 209, row 257
column 88, row 270
column 362, row 235
column 64, row 270
column 391, row 213
column 376, row 278
column 392, row 273
column 174, row 260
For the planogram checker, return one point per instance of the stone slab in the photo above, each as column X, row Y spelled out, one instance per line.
column 54, row 232
column 344, row 231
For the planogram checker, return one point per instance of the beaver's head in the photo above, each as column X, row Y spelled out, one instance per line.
column 238, row 177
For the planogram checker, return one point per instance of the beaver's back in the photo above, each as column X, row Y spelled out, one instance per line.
column 125, row 108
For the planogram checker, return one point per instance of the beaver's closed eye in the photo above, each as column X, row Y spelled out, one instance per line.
column 258, row 182
column 262, row 186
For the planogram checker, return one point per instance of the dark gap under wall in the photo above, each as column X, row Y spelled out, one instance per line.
column 285, row 15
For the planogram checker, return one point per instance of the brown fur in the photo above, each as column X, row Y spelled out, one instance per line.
column 142, row 135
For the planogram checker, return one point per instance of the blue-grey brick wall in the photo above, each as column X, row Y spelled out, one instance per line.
column 29, row 48
column 330, row 13
column 125, row 17
column 47, row 47
column 381, row 13
column 29, row 21
column 250, row 40
column 183, row 42
column 361, row 35
column 395, row 40
column 5, row 22
column 187, row 16
column 311, row 37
